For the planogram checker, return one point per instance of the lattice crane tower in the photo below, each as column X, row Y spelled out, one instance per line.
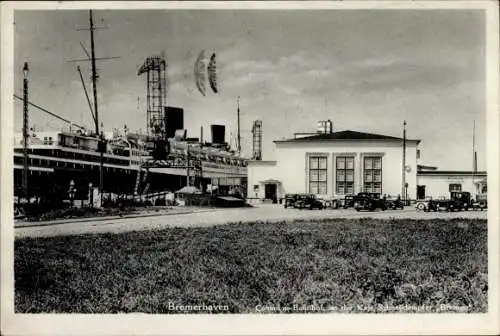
column 155, row 68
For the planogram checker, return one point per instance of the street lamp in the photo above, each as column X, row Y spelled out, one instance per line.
column 25, row 69
column 25, row 130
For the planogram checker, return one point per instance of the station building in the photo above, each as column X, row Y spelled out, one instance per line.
column 438, row 183
column 335, row 164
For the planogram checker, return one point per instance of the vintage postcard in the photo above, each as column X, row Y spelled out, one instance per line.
column 250, row 167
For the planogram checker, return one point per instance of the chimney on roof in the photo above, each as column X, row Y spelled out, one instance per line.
column 325, row 127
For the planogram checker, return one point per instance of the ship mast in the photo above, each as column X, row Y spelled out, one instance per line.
column 94, row 72
column 95, row 114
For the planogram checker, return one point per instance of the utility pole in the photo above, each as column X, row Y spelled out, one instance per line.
column 25, row 130
column 239, row 136
column 187, row 164
column 474, row 157
column 403, row 186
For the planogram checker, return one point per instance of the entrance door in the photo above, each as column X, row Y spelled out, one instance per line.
column 421, row 192
column 270, row 192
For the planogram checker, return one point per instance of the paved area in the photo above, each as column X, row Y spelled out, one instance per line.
column 265, row 212
column 160, row 211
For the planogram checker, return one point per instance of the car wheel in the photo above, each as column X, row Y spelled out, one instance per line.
column 420, row 206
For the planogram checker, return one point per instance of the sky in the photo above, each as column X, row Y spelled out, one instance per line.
column 366, row 70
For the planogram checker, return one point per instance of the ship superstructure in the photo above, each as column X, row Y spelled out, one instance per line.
column 125, row 163
column 57, row 158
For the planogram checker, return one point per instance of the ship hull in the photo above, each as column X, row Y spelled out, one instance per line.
column 55, row 183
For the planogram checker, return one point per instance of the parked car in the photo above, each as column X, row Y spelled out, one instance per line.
column 394, row 203
column 308, row 201
column 428, row 204
column 290, row 200
column 432, row 205
column 348, row 201
column 422, row 205
column 18, row 212
column 481, row 202
column 457, row 201
column 369, row 202
column 329, row 203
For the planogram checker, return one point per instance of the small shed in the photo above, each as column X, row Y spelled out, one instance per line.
column 229, row 202
column 190, row 195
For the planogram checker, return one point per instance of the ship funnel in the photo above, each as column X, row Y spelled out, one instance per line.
column 218, row 134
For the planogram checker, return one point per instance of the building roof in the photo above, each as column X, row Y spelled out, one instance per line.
column 426, row 168
column 261, row 163
column 344, row 135
column 189, row 190
column 270, row 181
column 452, row 173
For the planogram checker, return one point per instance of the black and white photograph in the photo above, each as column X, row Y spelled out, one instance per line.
column 209, row 160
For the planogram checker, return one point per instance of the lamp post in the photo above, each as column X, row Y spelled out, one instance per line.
column 102, row 144
column 25, row 131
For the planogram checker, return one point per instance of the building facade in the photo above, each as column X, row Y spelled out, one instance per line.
column 439, row 183
column 332, row 165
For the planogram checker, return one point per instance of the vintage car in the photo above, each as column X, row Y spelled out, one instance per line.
column 428, row 204
column 308, row 201
column 481, row 202
column 329, row 203
column 434, row 205
column 18, row 212
column 422, row 204
column 368, row 202
column 457, row 201
column 348, row 201
column 290, row 200
column 394, row 203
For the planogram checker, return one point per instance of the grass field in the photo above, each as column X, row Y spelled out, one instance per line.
column 357, row 265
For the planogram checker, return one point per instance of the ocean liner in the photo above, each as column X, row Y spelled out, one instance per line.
column 127, row 164
column 58, row 159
